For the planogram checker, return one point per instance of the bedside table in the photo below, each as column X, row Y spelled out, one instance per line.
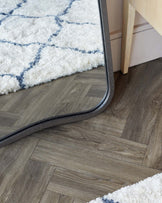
column 151, row 10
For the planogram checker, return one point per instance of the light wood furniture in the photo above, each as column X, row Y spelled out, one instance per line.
column 151, row 10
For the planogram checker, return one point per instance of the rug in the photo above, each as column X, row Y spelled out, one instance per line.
column 147, row 191
column 42, row 40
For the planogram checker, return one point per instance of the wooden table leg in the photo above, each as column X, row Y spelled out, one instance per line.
column 127, row 36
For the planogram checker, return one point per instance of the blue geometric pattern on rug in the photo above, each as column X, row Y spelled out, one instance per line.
column 42, row 45
column 108, row 201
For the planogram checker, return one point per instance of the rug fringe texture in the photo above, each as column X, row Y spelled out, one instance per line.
column 146, row 191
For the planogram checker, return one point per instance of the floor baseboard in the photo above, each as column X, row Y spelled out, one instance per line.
column 146, row 46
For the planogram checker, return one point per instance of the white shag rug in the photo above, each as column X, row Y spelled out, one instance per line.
column 147, row 191
column 42, row 40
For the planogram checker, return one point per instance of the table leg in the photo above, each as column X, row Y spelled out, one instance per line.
column 127, row 36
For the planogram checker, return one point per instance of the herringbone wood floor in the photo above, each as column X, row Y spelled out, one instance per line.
column 75, row 93
column 78, row 162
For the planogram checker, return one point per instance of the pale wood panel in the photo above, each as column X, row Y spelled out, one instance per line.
column 145, row 38
column 151, row 10
column 127, row 35
column 115, row 12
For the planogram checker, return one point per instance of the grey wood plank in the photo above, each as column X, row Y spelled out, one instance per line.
column 12, row 162
column 83, row 186
column 73, row 156
column 103, row 142
column 30, row 184
column 143, row 115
